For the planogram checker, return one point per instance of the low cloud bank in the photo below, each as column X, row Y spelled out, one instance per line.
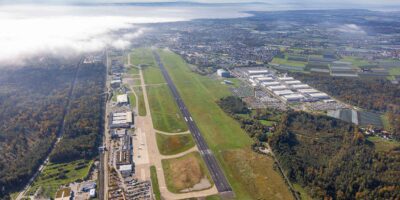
column 29, row 30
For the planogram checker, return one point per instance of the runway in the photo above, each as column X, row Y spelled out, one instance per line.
column 215, row 170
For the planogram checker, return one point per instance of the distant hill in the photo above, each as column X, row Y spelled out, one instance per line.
column 181, row 4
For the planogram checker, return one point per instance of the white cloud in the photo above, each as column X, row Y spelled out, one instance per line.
column 28, row 30
column 350, row 28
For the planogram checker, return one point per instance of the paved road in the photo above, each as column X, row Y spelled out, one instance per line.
column 216, row 172
column 59, row 134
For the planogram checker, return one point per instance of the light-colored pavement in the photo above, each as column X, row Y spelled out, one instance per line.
column 169, row 133
column 145, row 124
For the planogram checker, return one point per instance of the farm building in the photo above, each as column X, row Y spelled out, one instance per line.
column 270, row 83
column 292, row 82
column 308, row 91
column 292, row 97
column 319, row 95
column 264, row 79
column 276, row 87
column 300, row 86
column 256, row 76
column 285, row 78
column 257, row 72
column 283, row 92
column 223, row 73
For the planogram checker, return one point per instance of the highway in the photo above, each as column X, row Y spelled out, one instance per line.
column 215, row 170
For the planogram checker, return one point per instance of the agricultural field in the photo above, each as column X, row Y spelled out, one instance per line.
column 154, row 182
column 357, row 62
column 383, row 145
column 55, row 175
column 186, row 172
column 395, row 71
column 285, row 61
column 223, row 134
column 164, row 111
column 173, row 144
column 140, row 101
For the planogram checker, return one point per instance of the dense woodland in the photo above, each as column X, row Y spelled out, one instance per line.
column 84, row 120
column 237, row 109
column 332, row 160
column 371, row 94
column 33, row 101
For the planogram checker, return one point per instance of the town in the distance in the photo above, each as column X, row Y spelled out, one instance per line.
column 301, row 104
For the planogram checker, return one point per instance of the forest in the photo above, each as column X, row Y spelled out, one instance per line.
column 84, row 120
column 250, row 122
column 34, row 101
column 331, row 159
column 372, row 94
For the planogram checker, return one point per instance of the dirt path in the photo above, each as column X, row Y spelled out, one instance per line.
column 169, row 133
column 193, row 149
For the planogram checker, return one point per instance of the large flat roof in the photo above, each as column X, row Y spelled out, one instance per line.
column 123, row 98
column 265, row 78
column 292, row 82
column 293, row 96
column 319, row 95
column 270, row 83
column 308, row 91
column 287, row 78
column 257, row 71
column 299, row 86
column 283, row 92
column 276, row 87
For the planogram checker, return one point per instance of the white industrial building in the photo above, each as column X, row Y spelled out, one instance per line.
column 256, row 76
column 283, row 92
column 223, row 73
column 257, row 72
column 121, row 120
column 264, row 79
column 92, row 193
column 286, row 78
column 300, row 86
column 270, row 83
column 125, row 170
column 292, row 82
column 319, row 95
column 122, row 99
column 308, row 91
column 276, row 87
column 292, row 97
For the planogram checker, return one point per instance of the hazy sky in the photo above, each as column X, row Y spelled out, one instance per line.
column 29, row 30
column 343, row 3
